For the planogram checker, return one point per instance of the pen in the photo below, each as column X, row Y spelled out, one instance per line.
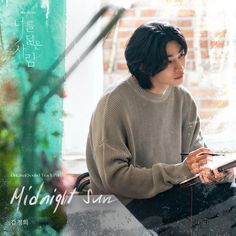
column 210, row 154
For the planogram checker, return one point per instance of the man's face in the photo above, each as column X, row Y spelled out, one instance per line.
column 173, row 74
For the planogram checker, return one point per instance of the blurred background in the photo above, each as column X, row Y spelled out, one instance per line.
column 209, row 28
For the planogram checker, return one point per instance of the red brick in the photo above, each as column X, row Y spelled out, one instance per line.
column 149, row 12
column 105, row 66
column 131, row 23
column 187, row 33
column 194, row 84
column 204, row 92
column 130, row 12
column 122, row 66
column 214, row 103
column 204, row 44
column 217, row 44
column 124, row 23
column 124, row 34
column 186, row 13
column 182, row 23
column 204, row 33
column 122, row 44
column 190, row 44
column 190, row 55
column 137, row 23
column 107, row 44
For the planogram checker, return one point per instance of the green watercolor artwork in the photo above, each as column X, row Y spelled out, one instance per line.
column 32, row 36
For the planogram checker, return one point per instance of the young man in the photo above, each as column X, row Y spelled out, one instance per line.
column 140, row 128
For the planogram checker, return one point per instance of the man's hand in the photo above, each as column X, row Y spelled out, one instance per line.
column 197, row 159
column 212, row 176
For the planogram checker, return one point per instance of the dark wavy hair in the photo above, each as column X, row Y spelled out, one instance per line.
column 146, row 50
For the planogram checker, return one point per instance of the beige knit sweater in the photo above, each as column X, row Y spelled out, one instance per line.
column 135, row 141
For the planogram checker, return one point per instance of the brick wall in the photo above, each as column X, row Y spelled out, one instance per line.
column 210, row 56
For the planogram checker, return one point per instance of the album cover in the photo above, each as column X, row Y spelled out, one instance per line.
column 47, row 98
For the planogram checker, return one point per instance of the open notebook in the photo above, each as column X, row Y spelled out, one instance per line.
column 221, row 163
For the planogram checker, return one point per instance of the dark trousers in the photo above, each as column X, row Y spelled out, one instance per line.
column 178, row 203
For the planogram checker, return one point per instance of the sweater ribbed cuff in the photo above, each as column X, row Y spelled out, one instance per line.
column 185, row 172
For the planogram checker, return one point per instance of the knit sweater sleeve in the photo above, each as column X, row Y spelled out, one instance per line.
column 114, row 159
